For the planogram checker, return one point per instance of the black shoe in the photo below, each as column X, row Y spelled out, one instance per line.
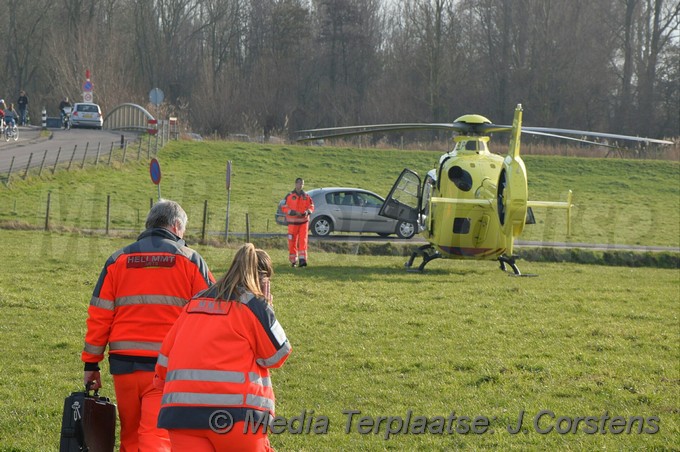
column 303, row 263
column 293, row 264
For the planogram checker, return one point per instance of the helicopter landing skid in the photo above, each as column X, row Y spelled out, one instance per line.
column 510, row 260
column 427, row 252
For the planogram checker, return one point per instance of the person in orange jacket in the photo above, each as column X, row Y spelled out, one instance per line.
column 298, row 206
column 214, row 363
column 139, row 295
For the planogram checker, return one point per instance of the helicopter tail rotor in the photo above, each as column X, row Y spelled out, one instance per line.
column 512, row 186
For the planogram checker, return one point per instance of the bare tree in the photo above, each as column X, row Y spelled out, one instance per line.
column 659, row 21
column 279, row 65
column 25, row 49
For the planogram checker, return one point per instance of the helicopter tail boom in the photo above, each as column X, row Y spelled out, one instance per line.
column 557, row 205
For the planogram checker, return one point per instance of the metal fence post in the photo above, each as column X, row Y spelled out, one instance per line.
column 42, row 163
column 72, row 155
column 56, row 161
column 47, row 212
column 9, row 173
column 30, row 157
column 205, row 220
column 108, row 213
column 110, row 154
column 82, row 164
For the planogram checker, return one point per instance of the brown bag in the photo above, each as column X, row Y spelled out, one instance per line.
column 88, row 423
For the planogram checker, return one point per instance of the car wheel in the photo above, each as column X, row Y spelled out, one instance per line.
column 405, row 230
column 322, row 226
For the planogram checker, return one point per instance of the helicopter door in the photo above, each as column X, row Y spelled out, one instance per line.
column 403, row 202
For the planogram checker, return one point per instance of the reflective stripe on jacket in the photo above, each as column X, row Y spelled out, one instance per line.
column 299, row 202
column 217, row 357
column 140, row 292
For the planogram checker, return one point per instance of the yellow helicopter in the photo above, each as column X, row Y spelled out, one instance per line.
column 473, row 204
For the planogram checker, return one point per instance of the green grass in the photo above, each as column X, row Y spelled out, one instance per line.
column 618, row 201
column 579, row 340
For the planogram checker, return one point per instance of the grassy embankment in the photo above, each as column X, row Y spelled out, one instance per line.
column 617, row 201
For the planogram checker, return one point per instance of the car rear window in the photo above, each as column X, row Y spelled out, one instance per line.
column 88, row 108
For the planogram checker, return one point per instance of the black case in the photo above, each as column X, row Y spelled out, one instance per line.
column 88, row 423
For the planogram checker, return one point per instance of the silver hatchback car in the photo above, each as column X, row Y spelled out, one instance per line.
column 85, row 114
column 342, row 209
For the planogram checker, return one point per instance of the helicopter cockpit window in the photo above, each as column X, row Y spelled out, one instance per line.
column 461, row 178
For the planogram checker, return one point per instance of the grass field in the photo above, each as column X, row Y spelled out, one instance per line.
column 579, row 340
column 464, row 337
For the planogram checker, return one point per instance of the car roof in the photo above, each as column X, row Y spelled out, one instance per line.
column 333, row 189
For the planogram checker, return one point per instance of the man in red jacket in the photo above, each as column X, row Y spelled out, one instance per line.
column 298, row 206
column 140, row 293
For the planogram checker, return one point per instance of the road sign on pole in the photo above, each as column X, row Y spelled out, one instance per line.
column 156, row 96
column 155, row 172
column 226, row 227
column 153, row 126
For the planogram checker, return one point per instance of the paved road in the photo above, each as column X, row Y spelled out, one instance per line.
column 418, row 240
column 34, row 145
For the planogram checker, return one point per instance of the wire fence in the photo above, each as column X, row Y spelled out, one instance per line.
column 109, row 153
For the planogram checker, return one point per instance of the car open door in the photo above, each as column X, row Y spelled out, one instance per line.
column 403, row 202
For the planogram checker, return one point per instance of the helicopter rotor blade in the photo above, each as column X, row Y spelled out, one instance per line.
column 338, row 132
column 562, row 137
column 467, row 128
column 458, row 127
column 371, row 127
column 594, row 134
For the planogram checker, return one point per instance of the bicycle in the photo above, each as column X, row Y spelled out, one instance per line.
column 66, row 118
column 10, row 131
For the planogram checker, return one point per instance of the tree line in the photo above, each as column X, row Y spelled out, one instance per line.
column 275, row 66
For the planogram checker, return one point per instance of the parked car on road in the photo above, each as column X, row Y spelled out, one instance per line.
column 85, row 114
column 342, row 209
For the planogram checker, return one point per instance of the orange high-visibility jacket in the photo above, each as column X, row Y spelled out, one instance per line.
column 298, row 202
column 217, row 358
column 140, row 293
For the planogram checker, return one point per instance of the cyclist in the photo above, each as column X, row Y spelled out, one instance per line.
column 2, row 115
column 10, row 115
column 62, row 106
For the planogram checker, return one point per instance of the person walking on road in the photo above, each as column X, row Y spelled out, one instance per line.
column 139, row 295
column 22, row 105
column 298, row 206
